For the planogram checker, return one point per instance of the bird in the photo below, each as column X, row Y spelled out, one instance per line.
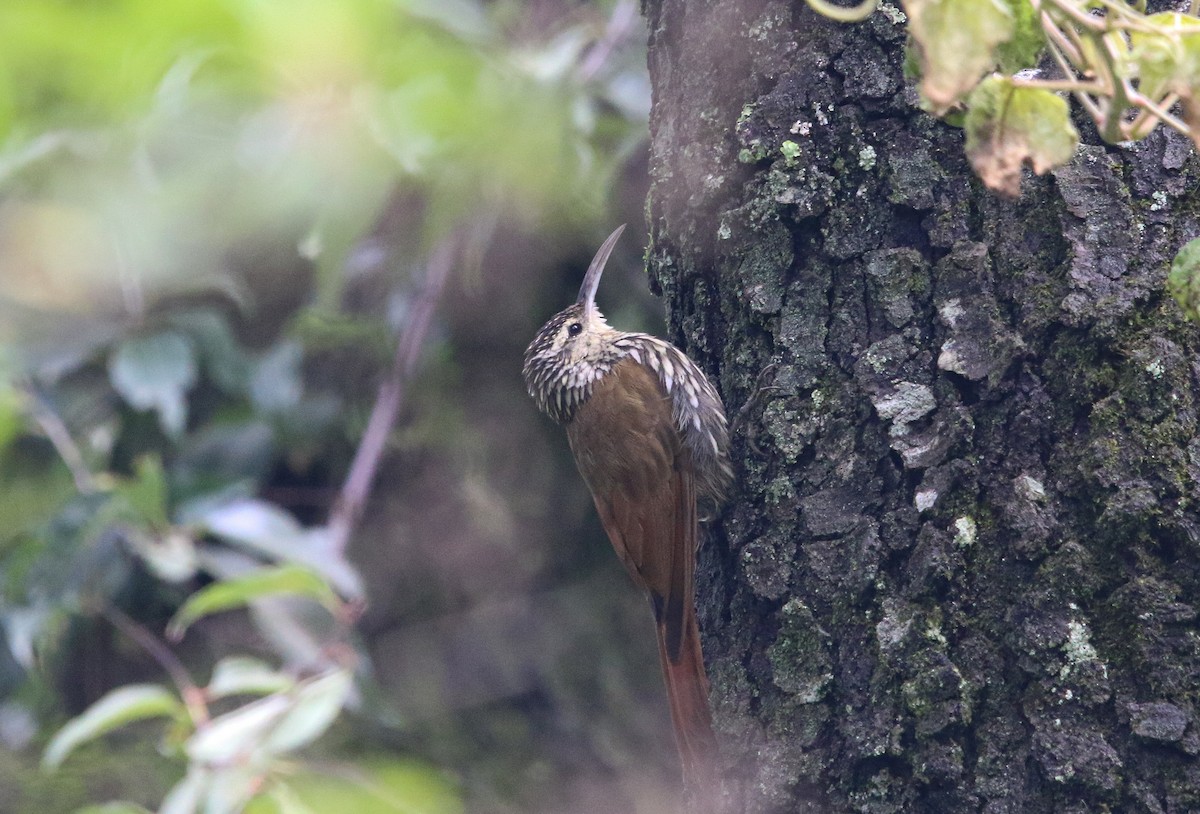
column 649, row 436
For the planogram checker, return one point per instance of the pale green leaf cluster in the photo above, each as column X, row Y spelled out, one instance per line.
column 957, row 41
column 1130, row 71
column 1009, row 125
column 122, row 706
column 233, row 756
column 1166, row 58
column 1183, row 281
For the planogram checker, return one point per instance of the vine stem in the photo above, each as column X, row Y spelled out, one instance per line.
column 352, row 499
column 193, row 696
column 1080, row 17
column 1107, row 96
column 1159, row 110
column 1061, row 45
column 1065, row 85
column 620, row 24
column 55, row 429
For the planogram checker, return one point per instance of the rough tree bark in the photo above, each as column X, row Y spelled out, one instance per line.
column 962, row 567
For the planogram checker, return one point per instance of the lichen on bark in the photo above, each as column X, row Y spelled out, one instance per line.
column 959, row 571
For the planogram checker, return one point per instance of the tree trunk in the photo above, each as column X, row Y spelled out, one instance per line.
column 960, row 569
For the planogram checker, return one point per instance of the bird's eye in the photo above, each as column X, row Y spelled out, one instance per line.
column 575, row 328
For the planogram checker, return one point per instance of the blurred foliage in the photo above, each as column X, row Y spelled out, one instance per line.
column 214, row 220
column 375, row 786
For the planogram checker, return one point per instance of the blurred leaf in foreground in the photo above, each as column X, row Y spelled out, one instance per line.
column 1184, row 279
column 1008, row 125
column 238, row 592
column 124, row 705
column 155, row 373
column 242, row 675
column 957, row 40
column 372, row 786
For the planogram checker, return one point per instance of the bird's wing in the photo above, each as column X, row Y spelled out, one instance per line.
column 643, row 484
column 631, row 456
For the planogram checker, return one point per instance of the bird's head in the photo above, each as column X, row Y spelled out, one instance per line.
column 574, row 347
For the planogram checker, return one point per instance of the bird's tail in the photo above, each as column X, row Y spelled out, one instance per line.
column 687, row 691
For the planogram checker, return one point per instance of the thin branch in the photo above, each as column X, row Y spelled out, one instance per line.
column 1061, row 44
column 617, row 30
column 1104, row 68
column 1110, row 123
column 1136, row 23
column 1125, row 17
column 1080, row 17
column 1060, row 47
column 1065, row 85
column 193, row 696
column 348, row 508
column 56, row 431
column 1161, row 111
column 1057, row 42
column 1110, row 40
column 1094, row 108
column 1142, row 125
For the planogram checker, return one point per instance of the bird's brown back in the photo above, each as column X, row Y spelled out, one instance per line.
column 631, row 455
column 640, row 474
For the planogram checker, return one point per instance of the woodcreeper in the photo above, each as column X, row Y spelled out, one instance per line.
column 649, row 435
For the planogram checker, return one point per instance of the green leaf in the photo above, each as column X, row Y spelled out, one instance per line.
column 1167, row 58
column 273, row 725
column 259, row 524
column 170, row 555
column 1028, row 38
column 379, row 785
column 269, row 530
column 121, row 706
column 275, row 383
column 230, row 787
column 294, row 580
column 242, row 675
column 958, row 41
column 1008, row 125
column 154, row 373
column 186, row 795
column 116, row 807
column 224, row 360
column 316, row 705
column 146, row 491
column 1184, row 279
column 11, row 412
column 238, row 734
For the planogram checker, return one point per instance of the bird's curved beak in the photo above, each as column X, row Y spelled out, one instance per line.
column 591, row 280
